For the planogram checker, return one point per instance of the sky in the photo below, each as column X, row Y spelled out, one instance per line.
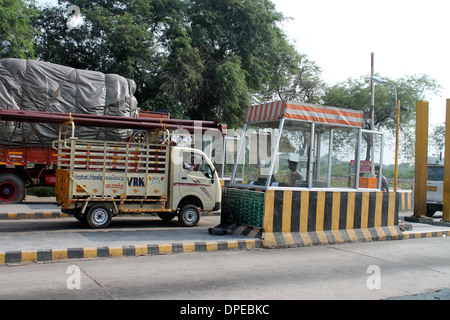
column 407, row 37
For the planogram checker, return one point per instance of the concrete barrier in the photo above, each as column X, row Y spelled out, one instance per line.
column 301, row 218
column 406, row 200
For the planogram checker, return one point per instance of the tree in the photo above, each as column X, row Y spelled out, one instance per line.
column 199, row 59
column 355, row 94
column 226, row 51
column 296, row 78
column 16, row 30
column 116, row 37
column 437, row 139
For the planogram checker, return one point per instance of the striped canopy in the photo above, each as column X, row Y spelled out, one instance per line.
column 304, row 112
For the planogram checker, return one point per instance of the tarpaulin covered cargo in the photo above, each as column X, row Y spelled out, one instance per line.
column 43, row 86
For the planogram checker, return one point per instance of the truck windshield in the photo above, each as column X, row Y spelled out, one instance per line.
column 435, row 173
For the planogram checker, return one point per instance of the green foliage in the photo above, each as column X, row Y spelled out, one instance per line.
column 199, row 59
column 16, row 30
column 437, row 139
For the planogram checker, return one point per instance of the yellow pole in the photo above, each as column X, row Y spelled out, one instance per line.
column 421, row 155
column 446, row 203
column 396, row 147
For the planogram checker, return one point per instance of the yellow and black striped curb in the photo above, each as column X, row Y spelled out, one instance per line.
column 425, row 234
column 14, row 257
column 32, row 215
column 311, row 238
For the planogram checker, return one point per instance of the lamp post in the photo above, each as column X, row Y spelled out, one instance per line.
column 397, row 106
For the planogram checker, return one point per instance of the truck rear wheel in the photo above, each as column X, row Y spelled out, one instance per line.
column 12, row 189
column 189, row 215
column 99, row 216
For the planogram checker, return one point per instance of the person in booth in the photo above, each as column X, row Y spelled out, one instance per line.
column 295, row 177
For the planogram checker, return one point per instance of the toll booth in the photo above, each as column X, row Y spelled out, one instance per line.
column 306, row 174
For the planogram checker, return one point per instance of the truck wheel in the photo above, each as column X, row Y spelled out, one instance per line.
column 12, row 189
column 189, row 215
column 99, row 216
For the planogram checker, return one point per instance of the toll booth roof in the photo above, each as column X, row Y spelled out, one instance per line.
column 301, row 111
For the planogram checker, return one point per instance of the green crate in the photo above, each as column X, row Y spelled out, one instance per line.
column 244, row 206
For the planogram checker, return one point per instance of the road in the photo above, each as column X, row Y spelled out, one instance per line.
column 373, row 270
column 403, row 269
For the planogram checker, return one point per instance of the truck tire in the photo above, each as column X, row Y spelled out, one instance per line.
column 189, row 215
column 99, row 216
column 12, row 189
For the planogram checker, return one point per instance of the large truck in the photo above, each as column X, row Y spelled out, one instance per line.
column 98, row 179
column 26, row 155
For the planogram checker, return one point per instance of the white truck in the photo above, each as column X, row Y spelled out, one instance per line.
column 435, row 188
column 97, row 180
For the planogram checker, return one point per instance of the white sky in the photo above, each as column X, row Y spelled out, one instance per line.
column 407, row 36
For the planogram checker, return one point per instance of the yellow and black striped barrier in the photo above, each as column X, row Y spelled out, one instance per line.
column 406, row 200
column 300, row 218
column 24, row 256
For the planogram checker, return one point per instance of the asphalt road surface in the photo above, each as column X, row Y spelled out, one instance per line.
column 372, row 270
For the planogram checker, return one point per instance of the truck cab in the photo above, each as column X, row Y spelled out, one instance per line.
column 195, row 180
column 435, row 188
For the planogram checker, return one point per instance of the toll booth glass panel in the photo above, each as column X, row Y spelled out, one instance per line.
column 371, row 162
column 303, row 154
column 344, row 145
column 321, row 157
column 292, row 158
column 255, row 157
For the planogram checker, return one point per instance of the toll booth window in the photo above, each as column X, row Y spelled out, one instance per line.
column 292, row 159
column 300, row 155
column 255, row 155
column 334, row 157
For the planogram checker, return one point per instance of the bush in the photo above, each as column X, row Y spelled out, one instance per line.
column 42, row 192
